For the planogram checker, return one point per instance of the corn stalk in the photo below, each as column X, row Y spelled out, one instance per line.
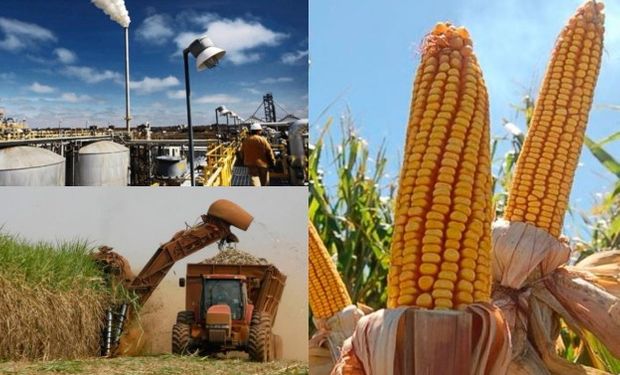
column 353, row 217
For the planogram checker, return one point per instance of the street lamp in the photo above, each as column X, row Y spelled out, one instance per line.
column 227, row 113
column 219, row 110
column 207, row 56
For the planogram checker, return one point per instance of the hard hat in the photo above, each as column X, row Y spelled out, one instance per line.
column 256, row 126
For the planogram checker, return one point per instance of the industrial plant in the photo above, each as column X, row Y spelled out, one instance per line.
column 151, row 156
column 175, row 155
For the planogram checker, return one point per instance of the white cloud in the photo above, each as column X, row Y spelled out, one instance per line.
column 253, row 91
column 238, row 37
column 199, row 19
column 155, row 29
column 291, row 58
column 19, row 35
column 41, row 89
column 149, row 85
column 272, row 80
column 184, row 39
column 217, row 99
column 71, row 97
column 179, row 94
column 90, row 75
column 65, row 56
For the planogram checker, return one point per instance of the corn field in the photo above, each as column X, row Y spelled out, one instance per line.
column 354, row 218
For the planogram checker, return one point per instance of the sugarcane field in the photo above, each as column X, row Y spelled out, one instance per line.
column 455, row 235
column 211, row 288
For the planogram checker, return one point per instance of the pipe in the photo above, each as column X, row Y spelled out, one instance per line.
column 108, row 334
column 127, row 100
column 119, row 327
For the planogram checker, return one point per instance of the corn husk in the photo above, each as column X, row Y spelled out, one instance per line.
column 601, row 268
column 330, row 335
column 534, row 289
column 319, row 360
column 372, row 348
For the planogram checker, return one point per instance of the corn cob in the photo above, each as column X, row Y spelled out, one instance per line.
column 441, row 245
column 546, row 167
column 328, row 294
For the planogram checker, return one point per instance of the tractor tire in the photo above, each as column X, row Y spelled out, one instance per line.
column 259, row 342
column 180, row 338
column 185, row 317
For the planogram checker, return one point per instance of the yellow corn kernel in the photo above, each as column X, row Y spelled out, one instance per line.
column 546, row 167
column 327, row 292
column 443, row 202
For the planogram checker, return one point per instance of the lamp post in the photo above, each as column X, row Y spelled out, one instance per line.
column 226, row 113
column 218, row 110
column 207, row 56
column 221, row 110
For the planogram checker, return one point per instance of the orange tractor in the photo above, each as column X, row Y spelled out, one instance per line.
column 228, row 307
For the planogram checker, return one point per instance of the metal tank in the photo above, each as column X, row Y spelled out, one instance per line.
column 103, row 163
column 297, row 133
column 31, row 166
column 171, row 166
column 297, row 143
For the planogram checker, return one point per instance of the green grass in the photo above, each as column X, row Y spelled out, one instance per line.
column 57, row 266
column 161, row 364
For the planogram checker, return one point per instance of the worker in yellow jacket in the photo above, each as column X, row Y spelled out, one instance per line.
column 257, row 156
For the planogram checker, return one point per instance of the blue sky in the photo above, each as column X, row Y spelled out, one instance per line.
column 63, row 60
column 363, row 56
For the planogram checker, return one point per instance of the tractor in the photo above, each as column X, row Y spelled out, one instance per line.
column 229, row 307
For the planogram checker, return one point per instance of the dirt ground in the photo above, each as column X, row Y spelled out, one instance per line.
column 161, row 364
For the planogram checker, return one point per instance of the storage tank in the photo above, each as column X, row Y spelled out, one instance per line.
column 103, row 163
column 31, row 166
column 296, row 139
column 171, row 166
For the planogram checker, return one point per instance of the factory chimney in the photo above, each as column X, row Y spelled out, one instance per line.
column 117, row 11
column 127, row 99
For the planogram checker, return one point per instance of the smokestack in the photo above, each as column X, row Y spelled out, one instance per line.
column 115, row 9
column 118, row 13
column 127, row 100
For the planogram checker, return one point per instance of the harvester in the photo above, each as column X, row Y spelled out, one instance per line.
column 228, row 307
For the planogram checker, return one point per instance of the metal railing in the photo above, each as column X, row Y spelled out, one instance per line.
column 25, row 134
column 220, row 161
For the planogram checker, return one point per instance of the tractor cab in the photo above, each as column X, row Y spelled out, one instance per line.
column 224, row 307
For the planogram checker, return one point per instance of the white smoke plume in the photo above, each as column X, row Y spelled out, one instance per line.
column 115, row 9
